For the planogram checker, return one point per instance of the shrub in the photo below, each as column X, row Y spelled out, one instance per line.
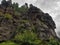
column 8, row 43
column 8, row 16
column 1, row 14
column 53, row 41
column 27, row 38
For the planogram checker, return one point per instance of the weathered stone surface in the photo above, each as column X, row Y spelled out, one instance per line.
column 43, row 23
column 34, row 19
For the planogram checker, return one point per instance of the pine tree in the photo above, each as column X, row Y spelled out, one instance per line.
column 3, row 3
column 9, row 3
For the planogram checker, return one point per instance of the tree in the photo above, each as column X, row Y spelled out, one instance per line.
column 24, row 8
column 3, row 3
column 16, row 6
column 9, row 2
column 26, row 5
column 6, row 3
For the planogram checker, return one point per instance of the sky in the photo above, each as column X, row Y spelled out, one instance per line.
column 48, row 6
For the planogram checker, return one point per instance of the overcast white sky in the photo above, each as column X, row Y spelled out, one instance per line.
column 49, row 6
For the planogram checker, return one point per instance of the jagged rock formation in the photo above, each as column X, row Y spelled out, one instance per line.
column 33, row 19
column 43, row 22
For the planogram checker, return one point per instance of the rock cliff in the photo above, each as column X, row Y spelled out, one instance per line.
column 33, row 19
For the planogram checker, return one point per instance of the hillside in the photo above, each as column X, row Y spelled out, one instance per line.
column 25, row 25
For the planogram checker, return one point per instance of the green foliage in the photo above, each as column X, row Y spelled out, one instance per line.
column 3, row 2
column 6, row 3
column 52, row 41
column 17, row 14
column 21, row 27
column 16, row 6
column 24, row 21
column 1, row 14
column 8, row 43
column 27, row 37
column 23, row 9
column 8, row 16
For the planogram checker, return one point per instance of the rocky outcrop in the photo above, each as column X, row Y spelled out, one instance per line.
column 33, row 19
column 43, row 23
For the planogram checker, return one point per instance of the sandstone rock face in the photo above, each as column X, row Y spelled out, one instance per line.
column 34, row 20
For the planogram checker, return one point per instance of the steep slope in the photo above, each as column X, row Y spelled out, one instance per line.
column 13, row 22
